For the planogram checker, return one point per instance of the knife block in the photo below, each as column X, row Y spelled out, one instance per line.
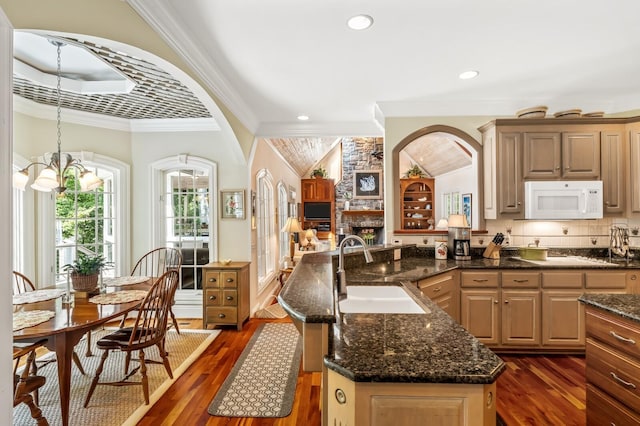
column 492, row 251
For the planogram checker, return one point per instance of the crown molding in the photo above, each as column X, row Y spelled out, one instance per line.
column 46, row 112
column 344, row 129
column 159, row 17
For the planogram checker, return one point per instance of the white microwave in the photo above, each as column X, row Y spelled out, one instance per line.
column 566, row 199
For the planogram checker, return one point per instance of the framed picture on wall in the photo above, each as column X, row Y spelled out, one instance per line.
column 366, row 184
column 232, row 202
column 466, row 207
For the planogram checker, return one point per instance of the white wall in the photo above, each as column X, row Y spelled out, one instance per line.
column 462, row 181
column 264, row 157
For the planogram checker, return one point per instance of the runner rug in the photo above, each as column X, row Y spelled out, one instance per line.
column 263, row 381
column 114, row 405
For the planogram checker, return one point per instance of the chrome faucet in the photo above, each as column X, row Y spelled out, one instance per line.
column 342, row 278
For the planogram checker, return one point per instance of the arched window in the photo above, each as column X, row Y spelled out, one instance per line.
column 184, row 216
column 283, row 213
column 265, row 226
column 95, row 222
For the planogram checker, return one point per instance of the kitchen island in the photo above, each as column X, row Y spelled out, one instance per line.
column 408, row 356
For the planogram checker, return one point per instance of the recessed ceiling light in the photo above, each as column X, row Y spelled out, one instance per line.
column 468, row 74
column 360, row 22
column 303, row 117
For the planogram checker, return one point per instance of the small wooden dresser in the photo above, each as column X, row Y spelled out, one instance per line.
column 613, row 369
column 225, row 294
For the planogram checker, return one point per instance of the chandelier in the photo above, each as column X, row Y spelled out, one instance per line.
column 53, row 176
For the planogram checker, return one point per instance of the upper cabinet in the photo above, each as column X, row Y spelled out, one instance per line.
column 318, row 189
column 318, row 206
column 568, row 155
column 517, row 150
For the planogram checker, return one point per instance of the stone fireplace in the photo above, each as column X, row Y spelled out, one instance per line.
column 358, row 222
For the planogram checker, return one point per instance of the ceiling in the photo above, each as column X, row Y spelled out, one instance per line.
column 269, row 62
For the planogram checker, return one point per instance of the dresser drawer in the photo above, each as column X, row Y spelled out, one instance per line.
column 615, row 332
column 614, row 373
column 479, row 279
column 212, row 297
column 222, row 279
column 608, row 279
column 221, row 315
column 602, row 410
column 521, row 279
column 562, row 279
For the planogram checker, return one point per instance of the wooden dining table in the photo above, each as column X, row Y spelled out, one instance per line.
column 66, row 328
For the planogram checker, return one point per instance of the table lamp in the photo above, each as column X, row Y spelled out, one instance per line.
column 292, row 225
column 308, row 235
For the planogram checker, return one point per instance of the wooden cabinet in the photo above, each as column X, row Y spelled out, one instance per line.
column 555, row 155
column 319, row 190
column 612, row 369
column 517, row 310
column 634, row 168
column 443, row 290
column 612, row 157
column 225, row 294
column 417, row 203
column 504, row 188
column 391, row 404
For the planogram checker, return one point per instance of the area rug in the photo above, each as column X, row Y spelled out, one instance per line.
column 115, row 405
column 263, row 381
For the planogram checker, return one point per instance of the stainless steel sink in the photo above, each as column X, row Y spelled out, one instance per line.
column 569, row 261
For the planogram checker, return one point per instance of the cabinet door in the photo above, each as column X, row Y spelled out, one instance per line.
column 581, row 155
column 479, row 314
column 309, row 189
column 613, row 183
column 562, row 318
column 324, row 189
column 520, row 317
column 634, row 169
column 541, row 155
column 509, row 170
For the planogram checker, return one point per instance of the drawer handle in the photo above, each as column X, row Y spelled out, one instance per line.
column 624, row 382
column 212, row 297
column 229, row 280
column 521, row 281
column 624, row 339
column 480, row 280
column 229, row 297
column 437, row 289
column 221, row 315
column 212, row 280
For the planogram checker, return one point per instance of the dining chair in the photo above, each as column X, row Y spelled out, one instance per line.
column 148, row 330
column 22, row 284
column 154, row 264
column 26, row 383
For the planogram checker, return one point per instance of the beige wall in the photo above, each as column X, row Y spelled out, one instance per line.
column 264, row 157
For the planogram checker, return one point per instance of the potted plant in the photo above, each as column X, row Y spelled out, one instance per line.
column 85, row 271
column 320, row 172
column 414, row 172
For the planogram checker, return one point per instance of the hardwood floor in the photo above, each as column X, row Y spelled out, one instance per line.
column 533, row 391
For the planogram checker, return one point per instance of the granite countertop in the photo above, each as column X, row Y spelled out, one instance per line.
column 625, row 305
column 428, row 347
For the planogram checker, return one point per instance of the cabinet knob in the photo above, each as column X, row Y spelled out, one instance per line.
column 221, row 315
column 229, row 280
column 495, row 302
column 212, row 297
column 606, row 203
column 229, row 297
column 633, row 277
column 506, row 301
column 519, row 203
column 437, row 289
column 212, row 280
column 558, row 167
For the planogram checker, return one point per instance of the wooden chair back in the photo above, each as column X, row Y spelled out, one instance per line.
column 21, row 284
column 151, row 323
column 157, row 262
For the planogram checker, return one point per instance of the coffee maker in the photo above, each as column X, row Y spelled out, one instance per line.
column 459, row 238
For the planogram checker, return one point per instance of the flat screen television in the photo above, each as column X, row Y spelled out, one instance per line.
column 317, row 211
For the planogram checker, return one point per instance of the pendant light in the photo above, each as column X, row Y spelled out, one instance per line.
column 52, row 177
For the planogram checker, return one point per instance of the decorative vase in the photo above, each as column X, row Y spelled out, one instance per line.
column 346, row 205
column 85, row 283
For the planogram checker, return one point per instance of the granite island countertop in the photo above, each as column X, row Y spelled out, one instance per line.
column 429, row 347
column 624, row 305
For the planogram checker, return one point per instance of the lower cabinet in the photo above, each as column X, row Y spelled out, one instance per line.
column 225, row 294
column 391, row 404
column 517, row 310
column 443, row 290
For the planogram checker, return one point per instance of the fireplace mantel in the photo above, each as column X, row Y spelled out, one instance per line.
column 363, row 212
